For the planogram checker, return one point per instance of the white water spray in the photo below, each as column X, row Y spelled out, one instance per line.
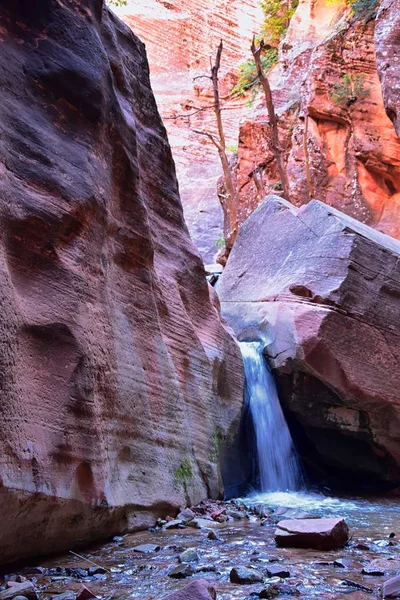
column 278, row 463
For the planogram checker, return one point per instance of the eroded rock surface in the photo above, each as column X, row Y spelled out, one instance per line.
column 322, row 290
column 327, row 73
column 114, row 378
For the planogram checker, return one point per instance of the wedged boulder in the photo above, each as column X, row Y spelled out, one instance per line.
column 323, row 292
column 321, row 534
column 114, row 381
column 197, row 590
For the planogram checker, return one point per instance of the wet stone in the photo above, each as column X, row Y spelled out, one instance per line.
column 270, row 591
column 85, row 593
column 391, row 588
column 26, row 589
column 146, row 549
column 64, row 596
column 196, row 590
column 96, row 571
column 188, row 556
column 277, row 571
column 347, row 563
column 244, row 576
column 174, row 524
column 181, row 571
column 211, row 535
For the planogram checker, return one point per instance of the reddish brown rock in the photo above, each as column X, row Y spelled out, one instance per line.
column 321, row 534
column 114, row 364
column 197, row 590
column 353, row 148
column 323, row 292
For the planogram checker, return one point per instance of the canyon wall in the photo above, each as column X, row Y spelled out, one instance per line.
column 328, row 97
column 180, row 38
column 114, row 380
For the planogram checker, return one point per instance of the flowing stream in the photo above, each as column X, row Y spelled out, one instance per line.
column 277, row 459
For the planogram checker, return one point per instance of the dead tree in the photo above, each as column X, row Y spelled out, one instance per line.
column 273, row 121
column 310, row 185
column 229, row 200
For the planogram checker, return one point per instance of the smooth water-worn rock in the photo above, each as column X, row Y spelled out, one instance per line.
column 322, row 534
column 323, row 293
column 116, row 376
column 244, row 576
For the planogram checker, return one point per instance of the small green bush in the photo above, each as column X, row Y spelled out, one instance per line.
column 277, row 15
column 220, row 243
column 184, row 472
column 348, row 90
column 248, row 77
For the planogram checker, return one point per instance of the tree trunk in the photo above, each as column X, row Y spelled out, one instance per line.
column 273, row 122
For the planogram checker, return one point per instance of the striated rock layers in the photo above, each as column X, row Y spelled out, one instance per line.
column 328, row 97
column 113, row 362
column 180, row 37
column 323, row 291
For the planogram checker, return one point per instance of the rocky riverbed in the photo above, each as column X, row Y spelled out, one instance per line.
column 229, row 542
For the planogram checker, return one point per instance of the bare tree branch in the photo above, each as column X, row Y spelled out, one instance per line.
column 273, row 122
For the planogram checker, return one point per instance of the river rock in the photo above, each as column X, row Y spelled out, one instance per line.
column 197, row 590
column 26, row 588
column 321, row 288
column 188, row 556
column 147, row 548
column 116, row 370
column 391, row 588
column 69, row 595
column 277, row 571
column 181, row 571
column 243, row 575
column 321, row 534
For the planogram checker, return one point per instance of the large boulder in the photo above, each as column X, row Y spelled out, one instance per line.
column 114, row 381
column 323, row 292
column 321, row 534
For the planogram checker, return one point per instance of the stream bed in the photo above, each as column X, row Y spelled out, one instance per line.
column 246, row 541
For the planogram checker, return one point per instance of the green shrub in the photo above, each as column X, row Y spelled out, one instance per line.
column 348, row 90
column 277, row 15
column 248, row 77
column 220, row 243
column 184, row 472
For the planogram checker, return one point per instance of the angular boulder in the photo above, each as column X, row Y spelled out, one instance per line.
column 323, row 292
column 321, row 534
column 116, row 375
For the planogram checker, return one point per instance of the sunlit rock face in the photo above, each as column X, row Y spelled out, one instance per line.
column 114, row 380
column 353, row 148
column 180, row 38
column 321, row 291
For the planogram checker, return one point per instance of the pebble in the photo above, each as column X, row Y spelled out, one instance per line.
column 211, row 535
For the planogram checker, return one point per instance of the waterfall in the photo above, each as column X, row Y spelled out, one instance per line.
column 278, row 463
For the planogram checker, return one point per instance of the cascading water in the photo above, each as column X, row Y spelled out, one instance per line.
column 278, row 463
